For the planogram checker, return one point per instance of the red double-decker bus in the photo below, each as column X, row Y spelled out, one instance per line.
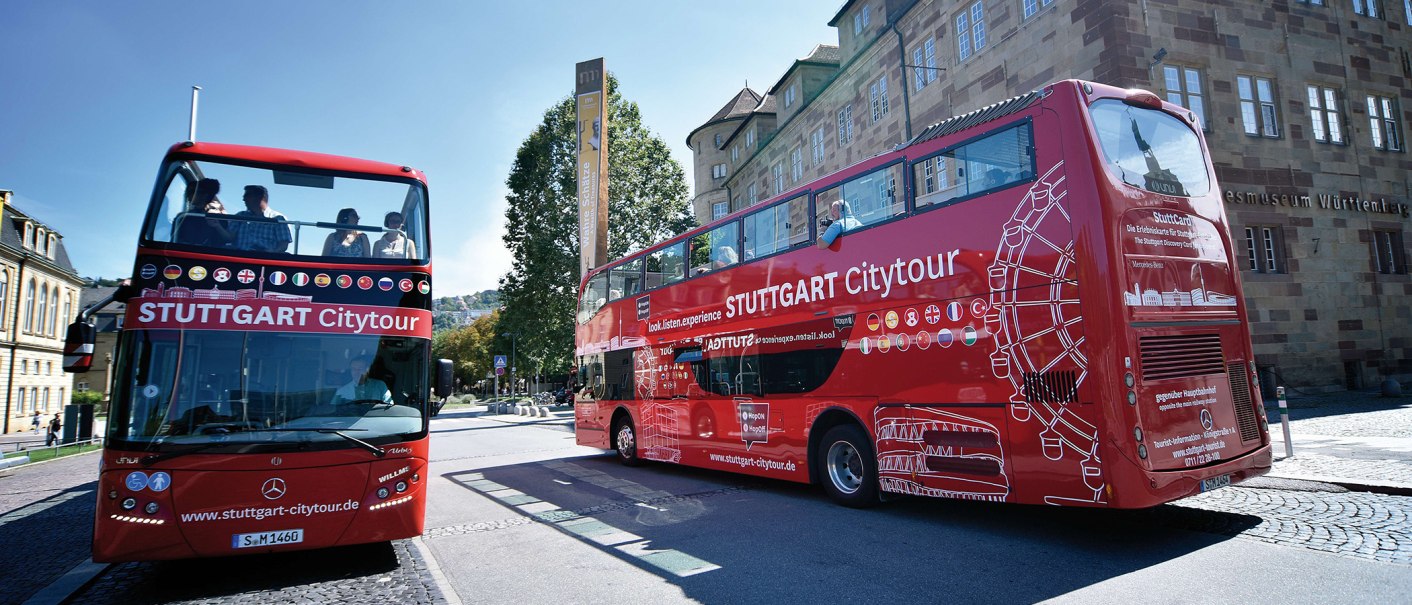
column 271, row 384
column 1035, row 302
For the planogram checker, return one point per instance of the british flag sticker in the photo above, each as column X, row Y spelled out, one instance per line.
column 245, row 276
column 278, row 278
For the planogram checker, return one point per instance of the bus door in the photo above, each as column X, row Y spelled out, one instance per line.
column 727, row 412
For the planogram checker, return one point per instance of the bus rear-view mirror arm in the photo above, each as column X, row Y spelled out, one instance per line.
column 82, row 334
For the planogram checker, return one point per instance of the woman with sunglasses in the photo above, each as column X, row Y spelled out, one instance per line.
column 347, row 242
column 394, row 243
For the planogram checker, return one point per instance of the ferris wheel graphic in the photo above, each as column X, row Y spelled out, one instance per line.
column 1038, row 327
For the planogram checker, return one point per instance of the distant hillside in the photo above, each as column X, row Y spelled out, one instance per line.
column 455, row 311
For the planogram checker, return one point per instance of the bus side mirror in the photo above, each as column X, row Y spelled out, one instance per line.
column 444, row 379
column 78, row 347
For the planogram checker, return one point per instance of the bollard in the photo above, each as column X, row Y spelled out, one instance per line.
column 1284, row 420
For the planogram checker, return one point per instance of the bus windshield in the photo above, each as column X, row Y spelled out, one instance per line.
column 245, row 389
column 1150, row 149
column 343, row 217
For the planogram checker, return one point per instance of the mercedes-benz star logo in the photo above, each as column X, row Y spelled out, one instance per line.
column 273, row 488
column 1206, row 421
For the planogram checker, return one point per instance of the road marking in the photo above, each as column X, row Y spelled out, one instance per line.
column 593, row 530
column 563, row 482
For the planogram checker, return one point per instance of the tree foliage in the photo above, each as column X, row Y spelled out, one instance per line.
column 468, row 347
column 647, row 202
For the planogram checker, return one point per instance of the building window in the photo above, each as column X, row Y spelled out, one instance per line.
column 877, row 96
column 857, row 24
column 735, row 153
column 24, row 366
column 718, row 171
column 45, row 399
column 29, row 235
column 816, row 146
column 54, row 312
column 718, row 140
column 720, row 209
column 43, row 308
column 1388, row 254
column 39, row 240
column 750, row 138
column 62, row 401
column 1257, row 106
column 752, row 194
column 1382, row 119
column 778, row 173
column 29, row 306
column 796, row 165
column 48, row 368
column 1323, row 112
column 845, row 125
column 1313, row 2
column 1184, row 88
column 53, row 240
column 789, row 96
column 736, row 203
column 1032, row 6
column 22, row 400
column 1407, row 10
column 4, row 295
column 1368, row 8
column 1264, row 246
column 866, row 13
column 970, row 31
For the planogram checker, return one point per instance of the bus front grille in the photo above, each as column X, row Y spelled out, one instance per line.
column 1244, row 406
column 1181, row 356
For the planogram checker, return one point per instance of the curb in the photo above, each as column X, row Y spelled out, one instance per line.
column 434, row 568
column 1353, row 485
column 68, row 584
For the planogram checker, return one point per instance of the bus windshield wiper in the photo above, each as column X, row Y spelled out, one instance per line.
column 377, row 451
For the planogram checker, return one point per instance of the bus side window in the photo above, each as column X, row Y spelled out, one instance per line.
column 625, row 279
column 595, row 295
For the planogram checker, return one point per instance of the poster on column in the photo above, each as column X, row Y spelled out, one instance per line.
column 590, row 95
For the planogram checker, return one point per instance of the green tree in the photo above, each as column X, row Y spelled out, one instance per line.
column 468, row 347
column 647, row 202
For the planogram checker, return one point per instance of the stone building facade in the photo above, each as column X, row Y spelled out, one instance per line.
column 1305, row 106
column 39, row 297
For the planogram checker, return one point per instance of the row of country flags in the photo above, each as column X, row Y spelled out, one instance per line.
column 278, row 278
column 955, row 311
column 922, row 340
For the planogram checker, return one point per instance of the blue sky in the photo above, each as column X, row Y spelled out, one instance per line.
column 94, row 93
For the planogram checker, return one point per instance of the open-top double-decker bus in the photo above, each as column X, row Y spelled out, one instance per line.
column 271, row 384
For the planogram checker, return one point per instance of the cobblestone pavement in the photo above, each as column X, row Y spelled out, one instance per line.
column 1364, row 417
column 1316, row 516
column 370, row 573
column 46, row 523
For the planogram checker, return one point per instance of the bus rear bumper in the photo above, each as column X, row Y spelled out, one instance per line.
column 1166, row 486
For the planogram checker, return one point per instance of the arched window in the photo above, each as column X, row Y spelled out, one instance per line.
column 43, row 306
column 54, row 312
column 4, row 295
column 52, row 241
column 29, row 306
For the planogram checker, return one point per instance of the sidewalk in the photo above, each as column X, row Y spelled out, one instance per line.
column 1354, row 439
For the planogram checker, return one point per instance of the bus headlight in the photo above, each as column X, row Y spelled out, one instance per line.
column 382, row 493
column 1142, row 451
column 129, row 503
column 401, row 486
column 151, row 508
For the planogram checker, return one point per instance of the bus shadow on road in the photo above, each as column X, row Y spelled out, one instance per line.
column 722, row 537
column 43, row 540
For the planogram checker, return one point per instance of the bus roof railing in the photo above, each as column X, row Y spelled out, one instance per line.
column 975, row 118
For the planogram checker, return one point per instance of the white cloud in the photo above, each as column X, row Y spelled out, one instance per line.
column 465, row 261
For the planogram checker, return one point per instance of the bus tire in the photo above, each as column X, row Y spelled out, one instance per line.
column 847, row 467
column 625, row 442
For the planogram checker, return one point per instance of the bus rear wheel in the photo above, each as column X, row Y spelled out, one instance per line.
column 625, row 441
column 849, row 469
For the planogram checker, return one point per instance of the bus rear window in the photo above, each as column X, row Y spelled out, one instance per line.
column 1150, row 149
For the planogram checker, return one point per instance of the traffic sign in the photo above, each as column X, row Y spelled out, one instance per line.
column 500, row 362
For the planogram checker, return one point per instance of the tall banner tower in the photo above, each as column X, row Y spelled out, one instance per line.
column 591, row 103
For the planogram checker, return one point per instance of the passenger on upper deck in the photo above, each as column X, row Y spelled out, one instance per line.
column 394, row 243
column 840, row 219
column 347, row 242
column 725, row 256
column 204, row 230
column 267, row 233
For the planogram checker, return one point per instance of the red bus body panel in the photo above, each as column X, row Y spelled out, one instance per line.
column 984, row 345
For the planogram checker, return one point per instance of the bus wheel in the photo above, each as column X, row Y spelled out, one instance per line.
column 625, row 441
column 850, row 472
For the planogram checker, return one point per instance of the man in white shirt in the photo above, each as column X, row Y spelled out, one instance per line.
column 362, row 388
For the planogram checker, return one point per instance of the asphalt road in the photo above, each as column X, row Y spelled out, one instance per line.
column 518, row 513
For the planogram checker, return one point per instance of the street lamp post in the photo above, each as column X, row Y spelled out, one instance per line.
column 512, row 361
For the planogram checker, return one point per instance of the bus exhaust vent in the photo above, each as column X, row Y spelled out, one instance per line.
column 1181, row 356
column 1061, row 386
column 1244, row 407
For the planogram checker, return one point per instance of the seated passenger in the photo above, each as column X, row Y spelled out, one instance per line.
column 266, row 233
column 347, row 242
column 204, row 230
column 362, row 388
column 394, row 243
column 840, row 220
column 725, row 256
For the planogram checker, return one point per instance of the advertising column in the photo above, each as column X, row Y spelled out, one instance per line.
column 590, row 94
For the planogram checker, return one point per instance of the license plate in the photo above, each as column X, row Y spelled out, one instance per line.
column 1218, row 481
column 267, row 538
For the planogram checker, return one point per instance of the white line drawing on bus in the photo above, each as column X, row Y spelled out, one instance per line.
column 931, row 452
column 1037, row 246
